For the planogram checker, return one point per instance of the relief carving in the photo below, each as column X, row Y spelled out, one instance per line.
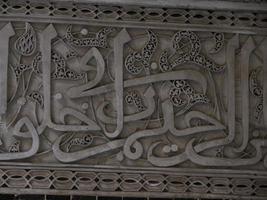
column 88, row 95
column 92, row 97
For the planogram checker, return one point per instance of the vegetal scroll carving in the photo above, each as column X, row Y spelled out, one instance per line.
column 83, row 99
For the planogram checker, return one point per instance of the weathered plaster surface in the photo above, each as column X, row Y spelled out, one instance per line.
column 151, row 98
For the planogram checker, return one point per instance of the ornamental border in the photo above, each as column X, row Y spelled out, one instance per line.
column 132, row 183
column 86, row 11
column 26, row 179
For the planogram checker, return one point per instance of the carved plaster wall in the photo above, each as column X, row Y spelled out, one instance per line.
column 133, row 100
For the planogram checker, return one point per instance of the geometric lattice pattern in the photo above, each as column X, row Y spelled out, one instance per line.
column 113, row 183
column 134, row 13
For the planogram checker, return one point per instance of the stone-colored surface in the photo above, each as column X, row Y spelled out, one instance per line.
column 133, row 100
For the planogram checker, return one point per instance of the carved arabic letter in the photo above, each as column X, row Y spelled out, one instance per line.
column 45, row 46
column 191, row 130
column 78, row 91
column 176, row 75
column 119, row 41
column 263, row 48
column 90, row 125
column 191, row 154
column 151, row 105
column 177, row 159
column 27, row 134
column 132, row 143
column 231, row 162
column 216, row 125
column 5, row 33
column 174, row 160
column 85, row 153
column 246, row 50
column 35, row 141
column 232, row 45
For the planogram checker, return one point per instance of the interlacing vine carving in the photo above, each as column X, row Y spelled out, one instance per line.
column 128, row 97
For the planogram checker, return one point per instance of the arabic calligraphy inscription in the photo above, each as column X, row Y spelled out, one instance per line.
column 133, row 97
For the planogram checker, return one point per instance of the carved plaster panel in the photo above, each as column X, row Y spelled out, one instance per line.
column 105, row 99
